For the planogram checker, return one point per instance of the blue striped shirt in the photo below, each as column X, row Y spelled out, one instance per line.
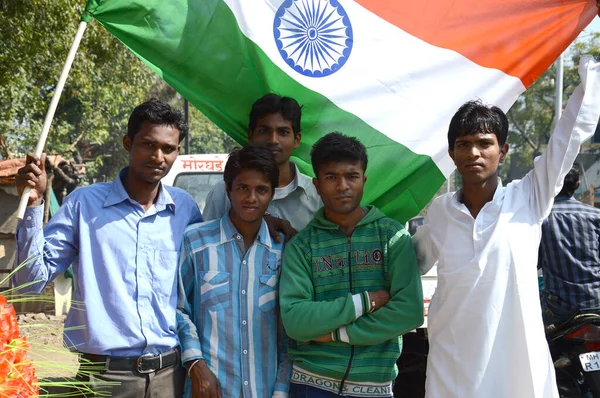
column 228, row 311
column 570, row 254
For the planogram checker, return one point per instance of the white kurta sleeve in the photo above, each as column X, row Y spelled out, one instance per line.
column 427, row 252
column 577, row 124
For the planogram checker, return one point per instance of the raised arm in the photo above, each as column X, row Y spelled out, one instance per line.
column 577, row 124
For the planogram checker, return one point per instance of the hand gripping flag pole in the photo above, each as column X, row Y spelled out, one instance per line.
column 52, row 109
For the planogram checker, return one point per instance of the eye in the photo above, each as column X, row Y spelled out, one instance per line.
column 330, row 178
column 262, row 190
column 168, row 149
column 284, row 132
column 241, row 188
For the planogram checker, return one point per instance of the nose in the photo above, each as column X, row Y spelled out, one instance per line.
column 158, row 156
column 342, row 184
column 273, row 138
column 474, row 152
column 251, row 198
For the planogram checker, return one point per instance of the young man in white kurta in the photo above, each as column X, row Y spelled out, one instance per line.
column 485, row 323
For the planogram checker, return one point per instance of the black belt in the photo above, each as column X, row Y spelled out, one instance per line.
column 147, row 363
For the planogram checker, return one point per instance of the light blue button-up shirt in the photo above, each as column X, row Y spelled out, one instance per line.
column 124, row 265
column 229, row 309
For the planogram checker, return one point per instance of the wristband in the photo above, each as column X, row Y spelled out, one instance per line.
column 372, row 306
column 189, row 371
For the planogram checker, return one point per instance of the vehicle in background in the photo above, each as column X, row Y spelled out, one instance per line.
column 197, row 174
column 575, row 349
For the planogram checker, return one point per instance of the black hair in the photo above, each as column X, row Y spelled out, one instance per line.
column 251, row 157
column 571, row 182
column 158, row 113
column 337, row 147
column 474, row 117
column 273, row 103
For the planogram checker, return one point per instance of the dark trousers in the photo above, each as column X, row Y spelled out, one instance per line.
column 165, row 383
column 553, row 312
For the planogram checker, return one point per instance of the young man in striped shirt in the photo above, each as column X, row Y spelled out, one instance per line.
column 231, row 338
column 350, row 284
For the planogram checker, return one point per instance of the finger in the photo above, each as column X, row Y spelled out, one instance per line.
column 272, row 228
column 43, row 162
column 32, row 159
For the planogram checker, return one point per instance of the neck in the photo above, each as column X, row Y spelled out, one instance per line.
column 286, row 174
column 346, row 222
column 475, row 196
column 142, row 192
column 248, row 230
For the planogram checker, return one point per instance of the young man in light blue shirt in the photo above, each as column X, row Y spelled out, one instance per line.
column 122, row 239
column 232, row 341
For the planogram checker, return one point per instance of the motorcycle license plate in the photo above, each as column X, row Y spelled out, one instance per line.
column 590, row 361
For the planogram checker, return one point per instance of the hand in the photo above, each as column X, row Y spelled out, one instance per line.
column 33, row 176
column 277, row 225
column 326, row 338
column 381, row 298
column 204, row 382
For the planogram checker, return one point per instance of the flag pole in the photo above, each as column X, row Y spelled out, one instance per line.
column 52, row 109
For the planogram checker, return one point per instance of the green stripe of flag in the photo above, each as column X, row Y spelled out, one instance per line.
column 197, row 47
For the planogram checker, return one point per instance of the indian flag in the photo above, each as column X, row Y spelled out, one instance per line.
column 389, row 72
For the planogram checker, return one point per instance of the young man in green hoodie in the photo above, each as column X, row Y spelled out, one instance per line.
column 350, row 284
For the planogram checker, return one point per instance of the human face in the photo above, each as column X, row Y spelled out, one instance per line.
column 152, row 152
column 340, row 185
column 250, row 195
column 277, row 134
column 477, row 157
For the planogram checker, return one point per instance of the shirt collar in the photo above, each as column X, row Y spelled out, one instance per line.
column 302, row 180
column 118, row 194
column 229, row 232
column 496, row 200
column 563, row 198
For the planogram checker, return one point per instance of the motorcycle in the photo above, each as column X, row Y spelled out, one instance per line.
column 575, row 349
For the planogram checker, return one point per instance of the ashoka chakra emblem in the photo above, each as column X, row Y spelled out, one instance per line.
column 314, row 37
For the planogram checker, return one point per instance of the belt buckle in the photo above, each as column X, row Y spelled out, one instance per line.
column 139, row 362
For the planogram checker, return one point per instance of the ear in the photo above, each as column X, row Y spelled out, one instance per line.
column 127, row 143
column 451, row 154
column 250, row 135
column 503, row 152
column 364, row 179
column 297, row 139
column 316, row 184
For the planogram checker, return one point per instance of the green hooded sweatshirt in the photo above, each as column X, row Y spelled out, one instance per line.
column 324, row 276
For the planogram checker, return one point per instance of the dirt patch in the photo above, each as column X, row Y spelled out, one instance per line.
column 55, row 366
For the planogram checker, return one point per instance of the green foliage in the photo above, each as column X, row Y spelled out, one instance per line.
column 532, row 116
column 105, row 83
column 204, row 135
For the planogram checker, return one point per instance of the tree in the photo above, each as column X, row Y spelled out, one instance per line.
column 105, row 83
column 532, row 116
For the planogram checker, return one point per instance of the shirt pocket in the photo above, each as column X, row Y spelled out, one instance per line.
column 215, row 290
column 164, row 272
column 268, row 292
